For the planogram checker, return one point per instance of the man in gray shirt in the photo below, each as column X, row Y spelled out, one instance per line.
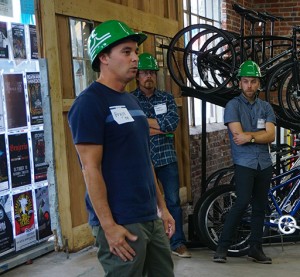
column 251, row 126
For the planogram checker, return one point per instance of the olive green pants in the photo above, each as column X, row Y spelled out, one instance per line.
column 153, row 254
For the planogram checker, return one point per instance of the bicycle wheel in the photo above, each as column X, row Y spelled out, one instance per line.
column 285, row 80
column 183, row 61
column 176, row 51
column 209, row 60
column 212, row 215
column 289, row 90
column 220, row 177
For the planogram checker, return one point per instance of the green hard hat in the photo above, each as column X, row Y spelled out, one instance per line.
column 249, row 69
column 147, row 62
column 106, row 34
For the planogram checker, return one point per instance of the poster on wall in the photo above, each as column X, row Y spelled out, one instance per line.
column 35, row 98
column 18, row 39
column 19, row 160
column 3, row 165
column 2, row 124
column 24, row 220
column 15, row 100
column 34, row 54
column 6, row 227
column 38, row 149
column 6, row 8
column 43, row 212
column 3, row 41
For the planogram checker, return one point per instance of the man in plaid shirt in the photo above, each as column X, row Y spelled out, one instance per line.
column 161, row 111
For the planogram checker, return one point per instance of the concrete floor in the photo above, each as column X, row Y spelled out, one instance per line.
column 85, row 264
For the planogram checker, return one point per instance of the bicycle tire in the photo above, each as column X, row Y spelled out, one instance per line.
column 221, row 176
column 175, row 52
column 282, row 73
column 213, row 60
column 178, row 59
column 211, row 217
column 288, row 92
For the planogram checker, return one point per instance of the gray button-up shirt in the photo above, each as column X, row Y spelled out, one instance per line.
column 252, row 117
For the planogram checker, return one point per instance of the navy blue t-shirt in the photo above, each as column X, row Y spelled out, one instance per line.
column 115, row 120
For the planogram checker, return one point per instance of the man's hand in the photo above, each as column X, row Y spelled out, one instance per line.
column 154, row 132
column 117, row 237
column 241, row 138
column 168, row 221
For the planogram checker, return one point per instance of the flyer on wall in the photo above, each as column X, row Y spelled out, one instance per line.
column 18, row 39
column 6, row 227
column 3, row 165
column 19, row 160
column 35, row 98
column 38, row 149
column 3, row 41
column 34, row 53
column 24, row 220
column 2, row 123
column 43, row 212
column 15, row 100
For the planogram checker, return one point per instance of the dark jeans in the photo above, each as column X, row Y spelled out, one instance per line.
column 251, row 187
column 169, row 178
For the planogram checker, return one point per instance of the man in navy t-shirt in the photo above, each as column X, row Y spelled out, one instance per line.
column 111, row 135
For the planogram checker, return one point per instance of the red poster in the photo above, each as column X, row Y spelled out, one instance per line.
column 23, row 212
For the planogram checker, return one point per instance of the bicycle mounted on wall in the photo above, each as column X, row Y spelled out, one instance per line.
column 204, row 60
column 210, row 58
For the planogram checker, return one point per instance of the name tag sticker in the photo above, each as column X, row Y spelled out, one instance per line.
column 160, row 108
column 121, row 114
column 261, row 124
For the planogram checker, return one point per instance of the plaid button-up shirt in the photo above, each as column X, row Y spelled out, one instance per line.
column 161, row 146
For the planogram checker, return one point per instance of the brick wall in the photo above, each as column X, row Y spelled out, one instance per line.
column 217, row 155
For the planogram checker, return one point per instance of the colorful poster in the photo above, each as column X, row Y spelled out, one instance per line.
column 24, row 220
column 43, row 212
column 15, row 100
column 3, row 165
column 35, row 98
column 6, row 228
column 34, row 54
column 19, row 160
column 23, row 212
column 38, row 149
column 18, row 38
column 3, row 41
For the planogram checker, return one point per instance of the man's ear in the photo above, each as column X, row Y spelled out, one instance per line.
column 103, row 58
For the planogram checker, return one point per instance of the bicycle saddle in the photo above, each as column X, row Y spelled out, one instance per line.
column 271, row 17
column 253, row 18
column 242, row 10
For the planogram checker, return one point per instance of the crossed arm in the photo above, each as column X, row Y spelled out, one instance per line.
column 263, row 136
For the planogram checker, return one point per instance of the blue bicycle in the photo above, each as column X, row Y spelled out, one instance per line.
column 282, row 216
